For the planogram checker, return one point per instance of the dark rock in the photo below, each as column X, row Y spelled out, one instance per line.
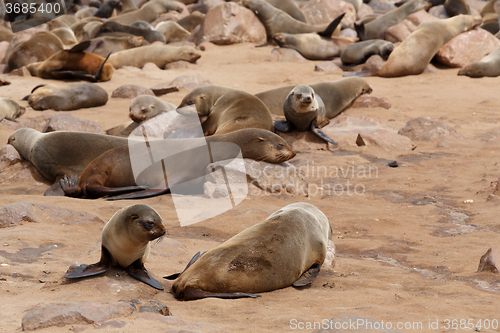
column 490, row 261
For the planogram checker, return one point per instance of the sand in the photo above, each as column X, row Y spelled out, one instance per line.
column 408, row 243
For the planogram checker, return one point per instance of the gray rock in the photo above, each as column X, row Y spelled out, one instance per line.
column 67, row 122
column 368, row 101
column 189, row 82
column 319, row 12
column 327, row 66
column 426, row 129
column 131, row 91
column 386, row 140
column 9, row 156
column 17, row 213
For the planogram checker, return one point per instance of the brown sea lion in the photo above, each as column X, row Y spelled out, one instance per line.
column 359, row 52
column 413, row 55
column 160, row 55
column 126, row 243
column 336, row 95
column 286, row 249
column 73, row 64
column 10, row 110
column 487, row 66
column 112, row 172
column 226, row 109
column 149, row 12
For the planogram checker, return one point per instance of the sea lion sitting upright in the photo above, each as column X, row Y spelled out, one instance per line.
column 126, row 243
column 10, row 110
column 487, row 66
column 288, row 248
column 226, row 109
column 304, row 110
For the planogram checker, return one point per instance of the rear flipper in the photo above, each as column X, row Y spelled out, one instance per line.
column 55, row 190
column 308, row 276
column 331, row 27
column 70, row 186
column 140, row 194
column 190, row 294
column 97, row 191
column 282, row 126
column 192, row 261
column 320, row 133
column 89, row 270
column 139, row 272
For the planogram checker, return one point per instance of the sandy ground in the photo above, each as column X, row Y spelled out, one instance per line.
column 408, row 246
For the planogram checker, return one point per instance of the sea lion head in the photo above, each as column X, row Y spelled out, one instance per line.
column 189, row 54
column 475, row 70
column 144, row 107
column 303, row 99
column 142, row 223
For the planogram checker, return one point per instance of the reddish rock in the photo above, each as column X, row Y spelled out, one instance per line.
column 400, row 31
column 189, row 82
column 385, row 139
column 363, row 11
column 281, row 54
column 320, row 12
column 23, row 173
column 131, row 91
column 231, row 24
column 179, row 64
column 426, row 129
column 9, row 156
column 37, row 123
column 149, row 66
column 490, row 261
column 467, row 47
column 368, row 101
column 420, row 17
column 67, row 122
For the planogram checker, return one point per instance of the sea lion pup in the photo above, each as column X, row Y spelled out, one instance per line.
column 487, row 66
column 111, row 173
column 226, row 109
column 73, row 97
column 287, row 249
column 59, row 153
column 73, row 64
column 149, row 12
column 106, row 9
column 144, row 107
column 191, row 21
column 10, row 110
column 172, row 31
column 160, row 55
column 276, row 20
column 105, row 45
column 126, row 243
column 336, row 95
column 149, row 35
column 304, row 111
column 359, row 52
column 39, row 47
column 376, row 29
column 413, row 55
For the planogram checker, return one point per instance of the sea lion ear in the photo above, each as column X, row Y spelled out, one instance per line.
column 134, row 216
column 261, row 139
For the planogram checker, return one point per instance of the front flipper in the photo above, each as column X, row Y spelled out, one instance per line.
column 282, row 126
column 320, row 133
column 95, row 269
column 308, row 276
column 139, row 272
column 140, row 194
column 192, row 261
column 192, row 293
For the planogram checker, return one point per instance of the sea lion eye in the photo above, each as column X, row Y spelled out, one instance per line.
column 143, row 110
column 190, row 103
column 299, row 96
column 279, row 145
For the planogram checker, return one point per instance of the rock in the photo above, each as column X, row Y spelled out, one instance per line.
column 230, row 23
column 23, row 172
column 19, row 212
column 386, row 140
column 368, row 101
column 61, row 314
column 67, row 122
column 490, row 261
column 489, row 136
column 350, row 126
column 131, row 91
column 283, row 178
column 467, row 47
column 189, row 82
column 400, row 31
column 426, row 129
column 348, row 33
column 342, row 324
column 23, row 71
column 420, row 17
column 304, row 140
column 363, row 11
column 327, row 66
column 144, row 305
column 179, row 64
column 280, row 54
column 318, row 12
column 149, row 66
column 37, row 123
column 163, row 89
column 9, row 156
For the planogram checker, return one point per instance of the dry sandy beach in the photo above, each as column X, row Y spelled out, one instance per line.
column 408, row 241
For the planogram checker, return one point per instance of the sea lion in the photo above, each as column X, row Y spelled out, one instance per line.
column 191, row 21
column 10, row 110
column 39, row 47
column 144, row 107
column 66, row 35
column 149, row 12
column 172, row 31
column 111, row 173
column 290, row 7
column 456, row 7
column 106, row 9
column 128, row 6
column 105, row 45
column 304, row 110
column 126, row 243
column 376, row 28
column 85, row 12
column 67, row 98
column 84, row 27
column 359, row 52
column 288, row 248
column 276, row 20
column 413, row 55
column 149, row 35
column 160, row 55
column 336, row 95
column 312, row 46
column 59, row 153
column 487, row 66
column 73, row 64
column 142, row 25
column 226, row 109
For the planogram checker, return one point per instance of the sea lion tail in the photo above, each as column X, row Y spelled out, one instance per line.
column 331, row 27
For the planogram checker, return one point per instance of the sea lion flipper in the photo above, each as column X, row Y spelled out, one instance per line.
column 308, row 276
column 321, row 134
column 80, row 47
column 99, row 70
column 89, row 270
column 191, row 293
column 70, row 186
column 140, row 194
column 332, row 26
column 282, row 126
column 95, row 190
column 139, row 272
column 192, row 261
column 360, row 30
